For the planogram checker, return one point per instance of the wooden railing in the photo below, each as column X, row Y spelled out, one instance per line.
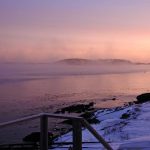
column 77, row 123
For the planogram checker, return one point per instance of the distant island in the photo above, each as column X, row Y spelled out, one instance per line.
column 82, row 61
column 79, row 61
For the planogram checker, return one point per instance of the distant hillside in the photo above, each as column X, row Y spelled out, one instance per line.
column 115, row 61
column 78, row 61
column 75, row 61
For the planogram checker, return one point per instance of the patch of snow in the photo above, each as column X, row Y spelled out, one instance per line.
column 129, row 133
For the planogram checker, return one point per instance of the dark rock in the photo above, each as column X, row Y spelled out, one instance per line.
column 143, row 98
column 130, row 103
column 91, row 104
column 90, row 117
column 78, row 108
column 87, row 111
column 35, row 137
column 114, row 98
column 125, row 116
column 118, row 108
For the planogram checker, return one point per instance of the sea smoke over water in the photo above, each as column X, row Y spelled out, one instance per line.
column 45, row 70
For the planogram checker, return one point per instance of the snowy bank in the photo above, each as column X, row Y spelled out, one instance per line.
column 125, row 128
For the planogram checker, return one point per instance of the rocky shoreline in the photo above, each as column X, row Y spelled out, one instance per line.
column 88, row 112
column 93, row 115
column 125, row 127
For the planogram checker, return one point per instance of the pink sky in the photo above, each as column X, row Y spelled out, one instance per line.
column 37, row 31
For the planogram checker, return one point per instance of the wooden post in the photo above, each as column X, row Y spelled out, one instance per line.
column 77, row 135
column 44, row 133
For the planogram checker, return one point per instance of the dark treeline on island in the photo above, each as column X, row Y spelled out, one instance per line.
column 83, row 61
column 80, row 61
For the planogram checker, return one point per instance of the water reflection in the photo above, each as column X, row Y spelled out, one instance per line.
column 26, row 95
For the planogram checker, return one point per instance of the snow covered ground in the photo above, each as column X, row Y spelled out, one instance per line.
column 125, row 128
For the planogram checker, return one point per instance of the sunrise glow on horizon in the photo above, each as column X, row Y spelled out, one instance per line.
column 44, row 31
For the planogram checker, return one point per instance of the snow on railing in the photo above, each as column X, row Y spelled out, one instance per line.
column 77, row 123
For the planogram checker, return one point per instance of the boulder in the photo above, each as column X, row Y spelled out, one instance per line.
column 125, row 116
column 34, row 137
column 143, row 98
column 77, row 108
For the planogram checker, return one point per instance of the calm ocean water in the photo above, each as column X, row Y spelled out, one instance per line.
column 27, row 94
column 31, row 91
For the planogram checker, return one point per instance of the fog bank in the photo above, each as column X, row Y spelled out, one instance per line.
column 46, row 70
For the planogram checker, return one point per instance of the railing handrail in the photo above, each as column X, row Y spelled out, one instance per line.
column 33, row 117
column 44, row 123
